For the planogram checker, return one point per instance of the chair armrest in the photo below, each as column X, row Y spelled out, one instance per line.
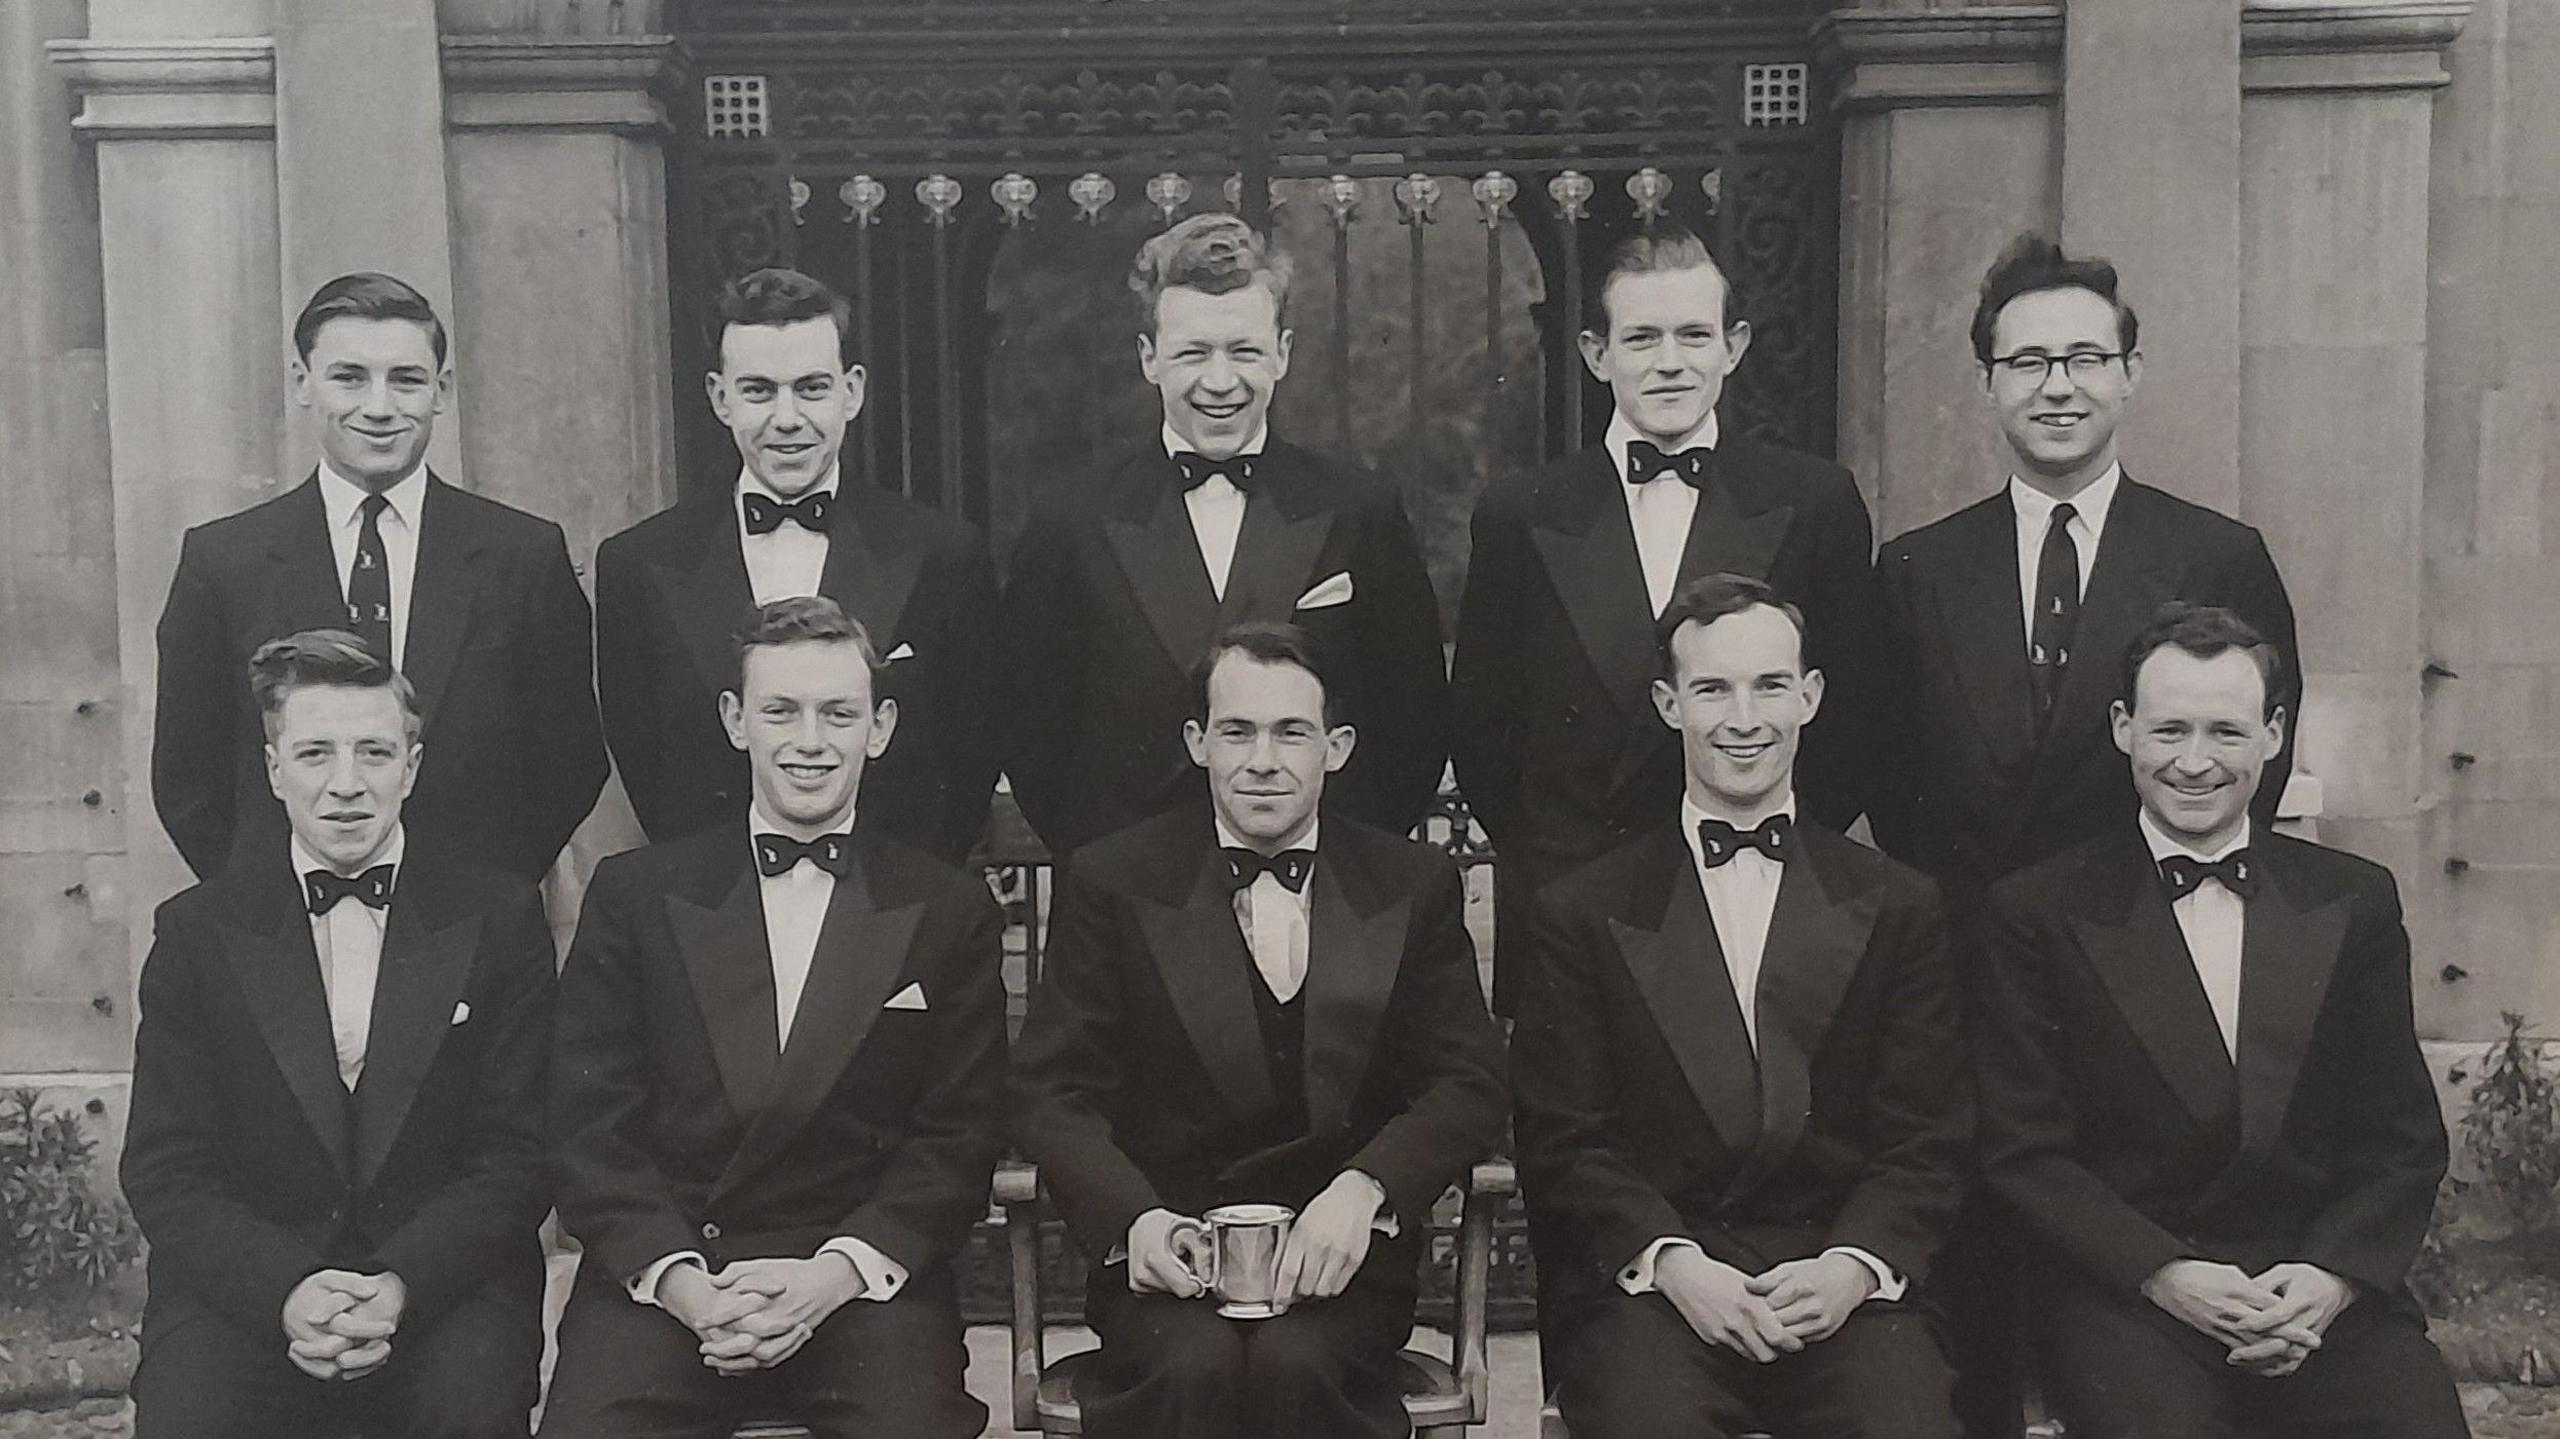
column 1017, row 1189
column 1487, row 1183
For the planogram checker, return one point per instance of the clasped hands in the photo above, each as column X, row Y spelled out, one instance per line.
column 1761, row 1316
column 338, row 1324
column 2271, row 1322
column 1327, row 1244
column 755, row 1313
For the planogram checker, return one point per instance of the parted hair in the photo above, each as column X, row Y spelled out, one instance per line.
column 782, row 297
column 802, row 619
column 1709, row 598
column 2034, row 263
column 1211, row 253
column 1270, row 642
column 2203, row 631
column 325, row 657
column 1654, row 247
column 365, row 295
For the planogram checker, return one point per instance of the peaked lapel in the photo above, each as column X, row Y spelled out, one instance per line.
column 861, row 952
column 1986, row 629
column 426, row 962
column 2142, row 959
column 1284, row 530
column 449, row 548
column 1817, row 938
column 1160, row 558
column 1355, row 946
column 1589, row 548
column 712, row 597
column 1669, row 945
column 2134, row 574
column 867, row 571
column 725, row 956
column 278, row 970
column 1196, row 947
column 304, row 590
column 2289, row 948
column 1722, row 540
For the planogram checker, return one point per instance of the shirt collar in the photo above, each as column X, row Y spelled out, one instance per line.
column 748, row 483
column 1175, row 444
column 1229, row 839
column 758, row 822
column 2035, row 508
column 1622, row 432
column 341, row 497
column 2162, row 844
column 1690, row 814
column 304, row 861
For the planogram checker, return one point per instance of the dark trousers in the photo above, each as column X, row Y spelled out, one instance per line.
column 473, row 1374
column 629, row 1370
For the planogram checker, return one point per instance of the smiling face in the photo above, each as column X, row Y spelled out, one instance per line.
column 342, row 759
column 2199, row 734
column 1740, row 696
column 1266, row 747
column 1216, row 359
column 786, row 395
column 377, row 388
column 1667, row 350
column 808, row 725
column 2062, row 427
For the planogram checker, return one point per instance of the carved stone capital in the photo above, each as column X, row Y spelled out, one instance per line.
column 521, row 82
column 212, row 89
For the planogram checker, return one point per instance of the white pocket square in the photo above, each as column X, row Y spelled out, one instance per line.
column 902, row 652
column 911, row 997
column 1335, row 591
column 461, row 1010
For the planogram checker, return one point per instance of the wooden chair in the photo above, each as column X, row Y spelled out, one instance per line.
column 1443, row 1397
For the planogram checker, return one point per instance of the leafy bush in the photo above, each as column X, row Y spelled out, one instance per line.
column 62, row 1239
column 2512, row 1133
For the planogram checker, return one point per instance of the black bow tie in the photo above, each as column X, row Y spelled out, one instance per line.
column 2180, row 874
column 1197, row 469
column 1646, row 462
column 1720, row 842
column 322, row 889
column 777, row 853
column 809, row 512
column 1289, row 866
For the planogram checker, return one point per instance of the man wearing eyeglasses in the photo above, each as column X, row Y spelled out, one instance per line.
column 2002, row 622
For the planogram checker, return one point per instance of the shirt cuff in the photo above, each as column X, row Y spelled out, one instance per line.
column 882, row 1276
column 1637, row 1277
column 1889, row 1285
column 644, row 1285
column 1385, row 1221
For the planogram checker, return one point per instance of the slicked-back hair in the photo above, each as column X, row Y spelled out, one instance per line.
column 2034, row 263
column 1652, row 249
column 782, row 297
column 803, row 619
column 325, row 657
column 2203, row 631
column 365, row 295
column 1270, row 642
column 1214, row 254
column 1709, row 598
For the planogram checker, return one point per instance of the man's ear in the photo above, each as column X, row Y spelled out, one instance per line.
column 275, row 770
column 1595, row 354
column 444, row 387
column 2275, row 731
column 857, row 388
column 2120, row 721
column 1666, row 702
column 717, row 391
column 1147, row 356
column 733, row 719
column 1812, row 686
column 298, row 371
column 1737, row 338
column 1280, row 358
column 1338, row 743
column 884, row 722
column 1196, row 740
column 417, row 757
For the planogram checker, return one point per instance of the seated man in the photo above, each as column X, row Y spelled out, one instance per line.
column 336, row 1142
column 781, row 1065
column 2202, row 1094
column 1743, row 1106
column 1238, row 1008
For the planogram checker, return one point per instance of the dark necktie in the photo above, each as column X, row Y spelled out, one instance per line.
column 1646, row 462
column 369, row 583
column 1289, row 866
column 1197, row 469
column 322, row 889
column 2057, row 611
column 777, row 853
column 813, row 513
column 2180, row 874
column 1720, row 842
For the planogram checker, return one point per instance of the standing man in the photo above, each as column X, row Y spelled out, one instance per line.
column 474, row 603
column 1558, row 747
column 1113, row 595
column 781, row 1079
column 1262, row 1004
column 1744, row 1110
column 672, row 590
column 2202, row 1091
column 336, row 1142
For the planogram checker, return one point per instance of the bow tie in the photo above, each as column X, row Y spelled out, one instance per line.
column 809, row 512
column 2180, row 874
column 322, row 889
column 1289, row 866
column 777, row 853
column 1646, row 462
column 1197, row 469
column 1720, row 842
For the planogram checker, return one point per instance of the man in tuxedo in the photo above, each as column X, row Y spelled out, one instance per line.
column 673, row 589
column 1558, row 748
column 335, row 1146
column 1112, row 595
column 781, row 1074
column 2203, row 1097
column 1743, row 1105
column 1259, row 1004
column 473, row 602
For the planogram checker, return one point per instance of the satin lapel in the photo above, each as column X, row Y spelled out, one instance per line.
column 1986, row 630
column 1817, row 938
column 1201, row 957
column 426, row 963
column 710, row 599
column 727, row 958
column 1722, row 540
column 868, row 573
column 2287, row 954
column 2142, row 960
column 439, row 595
column 1275, row 557
column 1590, row 555
column 278, row 970
column 1352, row 960
column 305, row 593
column 2135, row 574
column 1160, row 558
column 861, row 951
column 1679, row 968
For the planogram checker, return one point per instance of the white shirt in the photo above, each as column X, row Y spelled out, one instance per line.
column 342, row 500
column 1660, row 509
column 2214, row 921
column 2034, row 510
column 348, row 940
column 788, row 562
column 1275, row 921
column 1217, row 509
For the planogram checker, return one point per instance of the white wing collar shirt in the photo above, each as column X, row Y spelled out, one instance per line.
column 342, row 499
column 2213, row 921
column 2087, row 525
column 348, row 939
column 1659, row 508
column 1216, row 507
column 788, row 562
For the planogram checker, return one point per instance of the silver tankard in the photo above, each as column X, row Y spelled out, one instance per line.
column 1245, row 1244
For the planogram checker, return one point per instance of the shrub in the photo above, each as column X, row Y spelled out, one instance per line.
column 63, row 1240
column 2512, row 1133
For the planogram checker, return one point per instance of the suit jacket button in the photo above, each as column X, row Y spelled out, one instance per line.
column 710, row 1231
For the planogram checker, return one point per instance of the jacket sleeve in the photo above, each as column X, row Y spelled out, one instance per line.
column 193, row 767
column 2251, row 586
column 1404, row 717
column 1448, row 1061
column 1044, row 638
column 1846, row 641
column 971, row 702
column 557, row 727
column 1894, row 779
column 1487, row 689
column 627, row 683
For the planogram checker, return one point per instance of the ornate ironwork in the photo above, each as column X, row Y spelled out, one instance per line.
column 863, row 195
column 1572, row 192
column 1013, row 194
column 1648, row 187
column 1494, row 191
column 940, row 195
column 1417, row 195
column 1092, row 193
column 1168, row 192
